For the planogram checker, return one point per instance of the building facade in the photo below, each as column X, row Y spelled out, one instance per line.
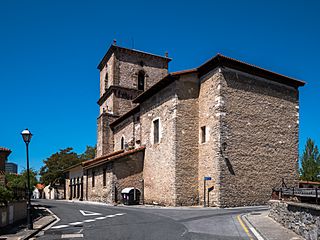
column 4, row 153
column 161, row 133
column 11, row 167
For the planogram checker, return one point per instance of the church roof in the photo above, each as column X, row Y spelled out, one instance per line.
column 223, row 61
column 114, row 47
column 219, row 61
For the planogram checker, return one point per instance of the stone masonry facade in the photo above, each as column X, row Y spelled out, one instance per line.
column 160, row 133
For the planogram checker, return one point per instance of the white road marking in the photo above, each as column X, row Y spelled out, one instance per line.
column 258, row 236
column 90, row 220
column 50, row 225
column 88, row 213
column 72, row 235
column 60, row 226
column 85, row 221
column 75, row 223
column 119, row 214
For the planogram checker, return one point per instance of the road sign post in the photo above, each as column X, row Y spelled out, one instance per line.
column 204, row 189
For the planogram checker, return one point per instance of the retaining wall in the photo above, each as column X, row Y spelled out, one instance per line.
column 12, row 213
column 302, row 218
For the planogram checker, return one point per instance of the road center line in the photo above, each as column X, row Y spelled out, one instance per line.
column 75, row 223
column 90, row 220
column 59, row 226
column 119, row 214
column 244, row 227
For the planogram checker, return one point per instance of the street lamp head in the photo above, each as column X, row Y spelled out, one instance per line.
column 26, row 135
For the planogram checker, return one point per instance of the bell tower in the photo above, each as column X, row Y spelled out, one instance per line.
column 124, row 74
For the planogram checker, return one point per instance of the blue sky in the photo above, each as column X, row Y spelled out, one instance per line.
column 49, row 51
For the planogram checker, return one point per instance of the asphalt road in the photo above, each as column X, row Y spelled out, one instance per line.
column 80, row 220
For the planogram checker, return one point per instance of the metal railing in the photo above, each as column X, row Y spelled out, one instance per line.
column 310, row 193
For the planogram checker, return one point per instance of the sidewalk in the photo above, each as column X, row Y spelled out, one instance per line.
column 268, row 228
column 20, row 231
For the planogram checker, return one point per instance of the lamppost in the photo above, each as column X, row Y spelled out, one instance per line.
column 26, row 135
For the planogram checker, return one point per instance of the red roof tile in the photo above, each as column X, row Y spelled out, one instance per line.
column 113, row 157
column 95, row 160
column 309, row 182
column 5, row 149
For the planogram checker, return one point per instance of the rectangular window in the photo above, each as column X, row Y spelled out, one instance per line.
column 104, row 177
column 156, row 131
column 93, row 180
column 203, row 134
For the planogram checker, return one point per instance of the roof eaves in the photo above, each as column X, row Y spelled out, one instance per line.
column 220, row 60
column 155, row 88
column 113, row 47
column 5, row 149
column 106, row 56
column 188, row 71
column 89, row 162
column 73, row 166
column 114, row 157
column 125, row 116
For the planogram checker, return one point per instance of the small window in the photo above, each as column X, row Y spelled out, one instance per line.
column 122, row 143
column 203, row 134
column 106, row 81
column 104, row 177
column 156, row 131
column 141, row 77
column 93, row 179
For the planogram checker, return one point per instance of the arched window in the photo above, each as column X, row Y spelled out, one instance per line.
column 122, row 143
column 141, row 77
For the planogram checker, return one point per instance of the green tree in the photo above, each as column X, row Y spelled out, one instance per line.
column 5, row 195
column 53, row 170
column 310, row 162
column 89, row 153
column 20, row 181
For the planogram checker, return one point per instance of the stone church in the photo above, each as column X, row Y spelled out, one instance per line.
column 160, row 134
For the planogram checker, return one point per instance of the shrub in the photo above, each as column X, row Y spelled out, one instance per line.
column 5, row 195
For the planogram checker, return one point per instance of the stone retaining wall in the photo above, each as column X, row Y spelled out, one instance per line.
column 302, row 218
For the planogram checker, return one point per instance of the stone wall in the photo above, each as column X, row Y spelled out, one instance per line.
column 99, row 192
column 130, row 63
column 122, row 70
column 109, row 69
column 210, row 104
column 128, row 172
column 260, row 132
column 120, row 173
column 129, row 129
column 187, row 122
column 105, row 139
column 160, row 158
column 304, row 219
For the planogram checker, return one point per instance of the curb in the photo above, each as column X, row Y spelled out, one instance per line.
column 35, row 232
column 258, row 235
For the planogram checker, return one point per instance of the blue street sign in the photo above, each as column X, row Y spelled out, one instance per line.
column 207, row 178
